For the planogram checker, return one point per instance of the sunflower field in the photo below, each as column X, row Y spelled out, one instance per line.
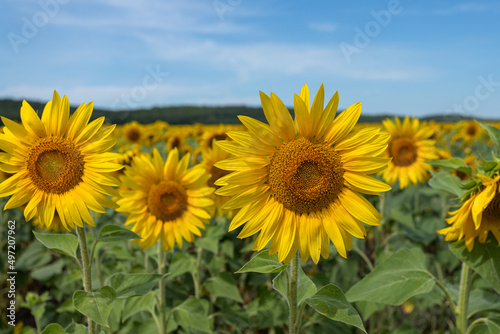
column 310, row 222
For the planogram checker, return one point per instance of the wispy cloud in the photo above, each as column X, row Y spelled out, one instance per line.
column 323, row 27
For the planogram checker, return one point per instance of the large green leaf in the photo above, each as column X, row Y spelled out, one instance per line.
column 54, row 329
column 116, row 233
column 494, row 133
column 66, row 244
column 210, row 243
column 96, row 305
column 484, row 259
column 305, row 287
column 401, row 276
column 482, row 301
column 192, row 314
column 136, row 304
column 446, row 182
column 263, row 263
column 331, row 302
column 223, row 285
column 127, row 285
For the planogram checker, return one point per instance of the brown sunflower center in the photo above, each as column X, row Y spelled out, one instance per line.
column 403, row 151
column 167, row 200
column 471, row 130
column 216, row 173
column 218, row 136
column 305, row 176
column 493, row 209
column 55, row 165
column 133, row 134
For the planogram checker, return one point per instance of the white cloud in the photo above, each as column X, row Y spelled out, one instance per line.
column 323, row 27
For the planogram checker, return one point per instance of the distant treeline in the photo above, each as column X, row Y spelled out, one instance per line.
column 185, row 114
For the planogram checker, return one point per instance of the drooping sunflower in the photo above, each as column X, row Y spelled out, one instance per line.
column 298, row 183
column 166, row 200
column 478, row 215
column 409, row 147
column 60, row 164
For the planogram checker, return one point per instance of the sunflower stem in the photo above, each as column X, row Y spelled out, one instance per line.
column 463, row 299
column 292, row 299
column 161, row 283
column 86, row 267
column 197, row 274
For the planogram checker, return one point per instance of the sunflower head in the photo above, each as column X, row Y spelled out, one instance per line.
column 165, row 199
column 410, row 146
column 297, row 182
column 478, row 214
column 59, row 164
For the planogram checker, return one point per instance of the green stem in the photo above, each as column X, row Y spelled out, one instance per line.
column 161, row 303
column 364, row 257
column 292, row 297
column 448, row 297
column 463, row 299
column 197, row 275
column 86, row 266
column 477, row 322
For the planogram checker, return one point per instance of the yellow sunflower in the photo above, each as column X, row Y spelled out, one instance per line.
column 132, row 132
column 298, row 183
column 210, row 157
column 478, row 215
column 166, row 199
column 60, row 164
column 409, row 147
column 468, row 132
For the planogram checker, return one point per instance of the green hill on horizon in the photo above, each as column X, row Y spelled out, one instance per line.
column 177, row 115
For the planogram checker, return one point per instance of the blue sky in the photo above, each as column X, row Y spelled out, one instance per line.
column 397, row 57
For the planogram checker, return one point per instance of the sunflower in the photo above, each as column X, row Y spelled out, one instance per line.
column 166, row 199
column 210, row 157
column 409, row 147
column 478, row 215
column 60, row 164
column 132, row 132
column 298, row 183
column 468, row 132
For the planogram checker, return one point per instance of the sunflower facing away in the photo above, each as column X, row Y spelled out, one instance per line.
column 60, row 164
column 478, row 215
column 165, row 200
column 298, row 183
column 409, row 147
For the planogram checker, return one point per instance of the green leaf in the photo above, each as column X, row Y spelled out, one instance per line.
column 116, row 233
column 75, row 328
column 95, row 305
column 223, row 285
column 54, row 329
column 46, row 272
column 331, row 302
column 453, row 163
column 493, row 132
column 305, row 287
column 263, row 263
column 181, row 263
column 484, row 259
column 136, row 304
column 210, row 243
column 227, row 248
column 447, row 183
column 66, row 244
column 482, row 301
column 192, row 313
column 127, row 285
column 401, row 276
column 486, row 326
